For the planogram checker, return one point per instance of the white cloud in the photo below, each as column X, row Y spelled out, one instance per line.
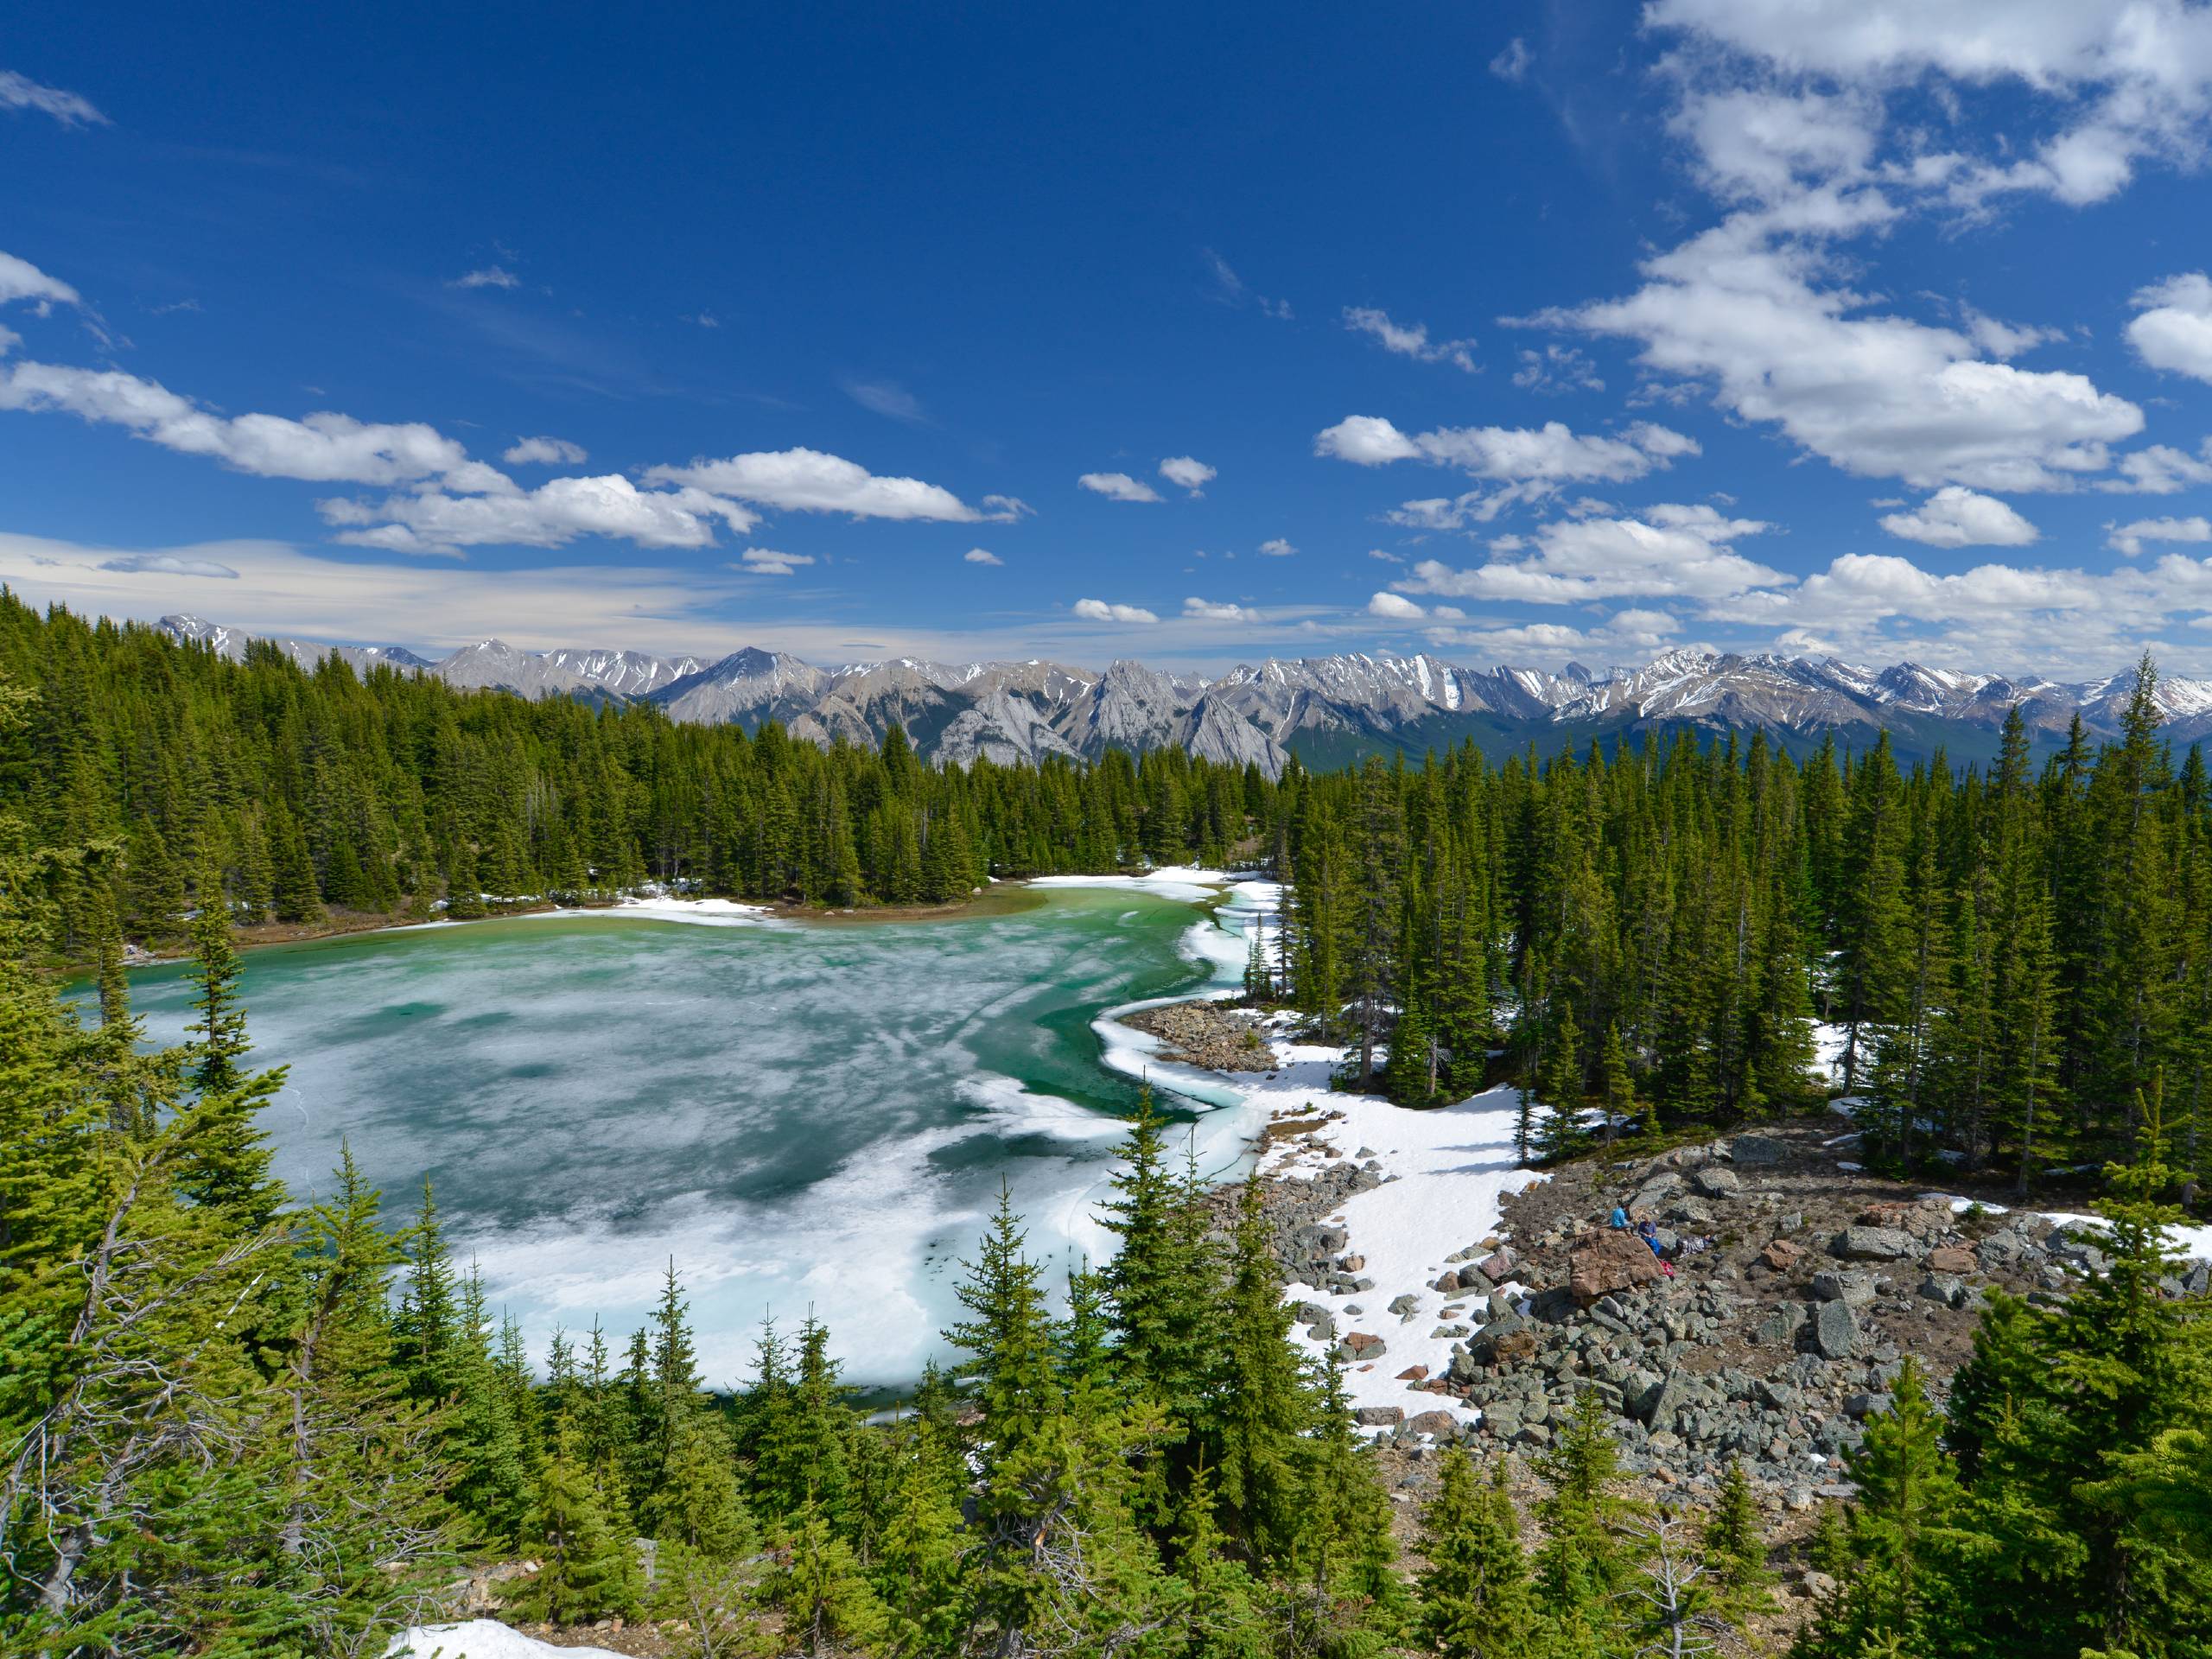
column 1955, row 517
column 1386, row 558
column 556, row 513
column 1276, row 548
column 1671, row 552
column 1201, row 610
column 2007, row 339
column 489, row 276
column 1188, row 472
column 168, row 564
column 766, row 562
column 888, row 399
column 1410, row 340
column 1097, row 610
column 808, row 480
column 703, row 319
column 323, row 448
column 1879, row 395
column 2173, row 329
column 1230, row 289
column 71, row 110
column 22, row 280
column 1395, row 608
column 2114, row 83
column 2160, row 469
column 1557, row 369
column 1512, row 63
column 2128, row 539
column 981, row 556
column 1551, row 454
column 550, row 451
column 1118, row 486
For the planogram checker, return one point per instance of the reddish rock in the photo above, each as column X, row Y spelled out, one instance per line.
column 1782, row 1256
column 1360, row 1341
column 1612, row 1262
column 1951, row 1259
column 1413, row 1373
column 1441, row 1424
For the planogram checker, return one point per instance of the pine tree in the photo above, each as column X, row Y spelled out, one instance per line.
column 1265, row 1408
column 1734, row 1542
column 1619, row 1083
column 828, row 1606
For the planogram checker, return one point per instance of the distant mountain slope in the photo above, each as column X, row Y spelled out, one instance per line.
column 1328, row 710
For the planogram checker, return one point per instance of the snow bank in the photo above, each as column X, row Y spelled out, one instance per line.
column 1446, row 1173
column 481, row 1638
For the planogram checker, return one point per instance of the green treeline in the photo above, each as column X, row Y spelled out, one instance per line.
column 290, row 791
column 2010, row 957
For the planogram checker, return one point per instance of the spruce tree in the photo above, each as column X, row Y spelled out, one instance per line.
column 1476, row 1601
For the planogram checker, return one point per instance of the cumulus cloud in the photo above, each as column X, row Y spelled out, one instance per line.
column 809, row 481
column 2119, row 84
column 169, row 564
column 1410, row 340
column 981, row 556
column 323, row 448
column 21, row 92
column 2128, row 539
column 1551, row 454
column 1276, row 548
column 1187, row 471
column 1786, row 114
column 766, row 562
column 556, row 513
column 488, row 277
column 1395, row 608
column 548, row 452
column 1672, row 551
column 2172, row 328
column 1097, row 610
column 1203, row 610
column 1118, row 486
column 2160, row 469
column 1956, row 516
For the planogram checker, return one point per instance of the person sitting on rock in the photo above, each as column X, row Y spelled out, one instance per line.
column 1649, row 1232
column 1620, row 1218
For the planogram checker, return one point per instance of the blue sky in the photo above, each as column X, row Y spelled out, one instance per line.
column 1518, row 332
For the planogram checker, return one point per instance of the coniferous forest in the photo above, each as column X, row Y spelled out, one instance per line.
column 234, row 1425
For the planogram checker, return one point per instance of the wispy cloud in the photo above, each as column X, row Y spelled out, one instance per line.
column 489, row 276
column 70, row 109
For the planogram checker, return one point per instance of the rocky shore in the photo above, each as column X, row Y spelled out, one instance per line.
column 1212, row 1035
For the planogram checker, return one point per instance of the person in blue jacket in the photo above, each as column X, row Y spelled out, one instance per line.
column 1619, row 1219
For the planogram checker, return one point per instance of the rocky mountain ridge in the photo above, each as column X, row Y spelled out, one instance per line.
column 1324, row 708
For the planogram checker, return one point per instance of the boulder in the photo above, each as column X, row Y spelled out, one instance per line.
column 1413, row 1373
column 1440, row 1425
column 1715, row 1181
column 1504, row 1341
column 1862, row 1242
column 1363, row 1344
column 1781, row 1255
column 1856, row 1288
column 1836, row 1330
column 1379, row 1416
column 1780, row 1325
column 1751, row 1150
column 1448, row 1283
column 1951, row 1258
column 1497, row 1268
column 1612, row 1262
column 1945, row 1287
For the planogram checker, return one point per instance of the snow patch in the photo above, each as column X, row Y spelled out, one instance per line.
column 482, row 1638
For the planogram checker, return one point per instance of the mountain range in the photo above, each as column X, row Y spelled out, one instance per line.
column 1325, row 709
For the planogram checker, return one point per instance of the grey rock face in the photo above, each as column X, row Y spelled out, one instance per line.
column 1856, row 1288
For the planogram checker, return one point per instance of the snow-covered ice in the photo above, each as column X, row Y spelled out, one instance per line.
column 481, row 1638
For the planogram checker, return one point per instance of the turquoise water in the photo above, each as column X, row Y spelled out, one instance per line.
column 801, row 1116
